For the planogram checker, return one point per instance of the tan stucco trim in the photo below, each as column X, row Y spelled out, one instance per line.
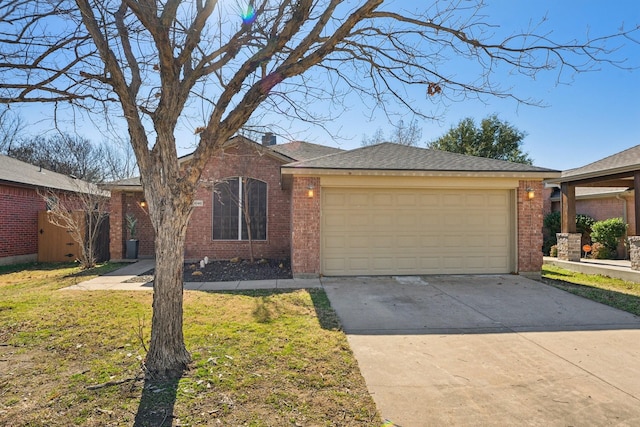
column 419, row 182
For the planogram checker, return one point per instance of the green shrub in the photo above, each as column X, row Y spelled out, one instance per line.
column 583, row 226
column 553, row 251
column 552, row 224
column 608, row 233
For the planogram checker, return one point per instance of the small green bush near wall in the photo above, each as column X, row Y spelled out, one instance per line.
column 608, row 233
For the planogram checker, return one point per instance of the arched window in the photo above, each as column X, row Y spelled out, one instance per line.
column 231, row 221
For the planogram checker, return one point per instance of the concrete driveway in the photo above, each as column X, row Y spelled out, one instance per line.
column 490, row 350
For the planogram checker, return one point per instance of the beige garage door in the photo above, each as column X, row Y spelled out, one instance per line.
column 416, row 231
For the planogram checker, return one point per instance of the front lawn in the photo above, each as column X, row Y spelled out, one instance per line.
column 606, row 290
column 260, row 358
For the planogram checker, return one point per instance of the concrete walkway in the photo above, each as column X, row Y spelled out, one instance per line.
column 117, row 281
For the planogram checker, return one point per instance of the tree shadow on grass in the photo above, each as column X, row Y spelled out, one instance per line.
column 157, row 402
column 326, row 315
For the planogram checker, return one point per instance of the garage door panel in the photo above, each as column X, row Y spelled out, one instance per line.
column 478, row 242
column 498, row 200
column 497, row 241
column 335, row 242
column 383, row 200
column 408, row 242
column 498, row 220
column 358, row 242
column 381, row 220
column 359, row 199
column 497, row 262
column 453, row 241
column 415, row 231
column 335, row 219
column 429, row 200
column 334, row 199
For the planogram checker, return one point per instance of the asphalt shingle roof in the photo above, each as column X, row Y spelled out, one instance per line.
column 19, row 172
column 300, row 150
column 135, row 181
column 619, row 162
column 390, row 156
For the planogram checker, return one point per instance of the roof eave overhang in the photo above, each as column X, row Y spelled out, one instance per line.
column 591, row 176
column 606, row 195
column 129, row 188
column 420, row 173
column 287, row 173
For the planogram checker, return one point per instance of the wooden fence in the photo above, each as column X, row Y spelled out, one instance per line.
column 56, row 245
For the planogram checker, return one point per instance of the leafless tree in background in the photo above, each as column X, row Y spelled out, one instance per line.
column 11, row 128
column 403, row 134
column 149, row 62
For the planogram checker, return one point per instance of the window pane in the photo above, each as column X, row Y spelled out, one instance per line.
column 225, row 210
column 256, row 195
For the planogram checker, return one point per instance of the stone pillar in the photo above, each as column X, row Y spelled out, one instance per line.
column 569, row 246
column 634, row 252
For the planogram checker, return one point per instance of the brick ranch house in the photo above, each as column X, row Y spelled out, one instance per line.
column 20, row 204
column 385, row 209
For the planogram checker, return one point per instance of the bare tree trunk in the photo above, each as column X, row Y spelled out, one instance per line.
column 168, row 356
column 170, row 207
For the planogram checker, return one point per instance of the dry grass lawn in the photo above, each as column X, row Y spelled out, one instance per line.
column 259, row 358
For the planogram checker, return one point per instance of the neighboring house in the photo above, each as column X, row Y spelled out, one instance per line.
column 20, row 204
column 385, row 209
column 602, row 189
column 599, row 203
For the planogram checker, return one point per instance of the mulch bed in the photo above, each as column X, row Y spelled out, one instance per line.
column 227, row 271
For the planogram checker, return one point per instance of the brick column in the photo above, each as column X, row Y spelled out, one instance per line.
column 305, row 227
column 116, row 229
column 530, row 228
column 569, row 246
column 634, row 252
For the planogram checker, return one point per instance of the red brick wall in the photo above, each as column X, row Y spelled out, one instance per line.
column 547, row 205
column 530, row 214
column 122, row 204
column 305, row 226
column 116, row 227
column 19, row 220
column 604, row 208
column 601, row 209
column 145, row 233
column 245, row 161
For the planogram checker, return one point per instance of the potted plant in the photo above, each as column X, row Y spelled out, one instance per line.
column 132, row 243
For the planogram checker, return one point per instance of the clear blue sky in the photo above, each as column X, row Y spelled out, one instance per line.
column 586, row 118
column 595, row 115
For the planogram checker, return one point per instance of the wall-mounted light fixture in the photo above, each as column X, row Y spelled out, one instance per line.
column 531, row 193
column 143, row 203
column 310, row 191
